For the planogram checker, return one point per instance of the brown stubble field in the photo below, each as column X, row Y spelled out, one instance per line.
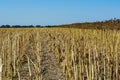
column 59, row 54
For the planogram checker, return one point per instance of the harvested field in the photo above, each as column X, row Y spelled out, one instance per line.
column 59, row 54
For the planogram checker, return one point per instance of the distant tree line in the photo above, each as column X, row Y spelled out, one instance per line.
column 24, row 26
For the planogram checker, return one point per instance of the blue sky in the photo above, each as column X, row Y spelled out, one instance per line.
column 55, row 12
